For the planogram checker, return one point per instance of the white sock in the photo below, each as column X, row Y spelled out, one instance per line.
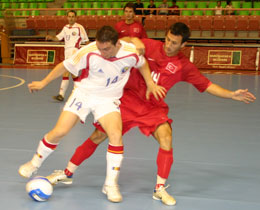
column 41, row 154
column 114, row 162
column 160, row 180
column 64, row 86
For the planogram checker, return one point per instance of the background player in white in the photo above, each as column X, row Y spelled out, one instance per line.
column 73, row 35
column 105, row 68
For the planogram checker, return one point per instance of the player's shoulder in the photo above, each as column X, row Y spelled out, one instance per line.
column 84, row 51
column 137, row 23
column 119, row 23
column 151, row 43
column 91, row 47
column 183, row 57
column 78, row 25
column 66, row 26
column 128, row 47
column 185, row 61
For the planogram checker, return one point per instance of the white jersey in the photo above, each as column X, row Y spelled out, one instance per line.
column 102, row 78
column 73, row 36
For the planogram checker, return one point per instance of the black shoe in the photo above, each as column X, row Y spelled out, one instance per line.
column 58, row 98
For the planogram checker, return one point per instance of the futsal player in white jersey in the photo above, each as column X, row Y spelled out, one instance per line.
column 73, row 35
column 103, row 68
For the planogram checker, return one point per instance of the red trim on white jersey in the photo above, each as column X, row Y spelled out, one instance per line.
column 85, row 72
column 77, row 45
column 112, row 59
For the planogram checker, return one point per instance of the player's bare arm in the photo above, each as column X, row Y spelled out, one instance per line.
column 152, row 88
column 55, row 73
column 239, row 95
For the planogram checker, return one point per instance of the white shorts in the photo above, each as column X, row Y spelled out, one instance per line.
column 81, row 105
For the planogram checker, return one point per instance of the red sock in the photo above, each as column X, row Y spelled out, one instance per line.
column 49, row 145
column 68, row 173
column 83, row 152
column 65, row 78
column 164, row 163
column 157, row 186
column 115, row 149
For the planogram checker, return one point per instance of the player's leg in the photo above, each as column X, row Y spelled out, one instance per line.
column 63, row 87
column 163, row 134
column 48, row 144
column 85, row 150
column 82, row 153
column 112, row 124
column 65, row 78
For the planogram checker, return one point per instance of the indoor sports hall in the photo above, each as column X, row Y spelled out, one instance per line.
column 216, row 141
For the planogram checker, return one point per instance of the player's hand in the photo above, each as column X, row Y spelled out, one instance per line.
column 139, row 45
column 48, row 37
column 35, row 86
column 243, row 95
column 157, row 91
column 140, row 49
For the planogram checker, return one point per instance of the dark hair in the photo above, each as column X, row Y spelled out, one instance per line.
column 73, row 11
column 180, row 29
column 130, row 5
column 107, row 34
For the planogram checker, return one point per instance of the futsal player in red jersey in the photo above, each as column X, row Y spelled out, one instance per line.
column 168, row 66
column 129, row 27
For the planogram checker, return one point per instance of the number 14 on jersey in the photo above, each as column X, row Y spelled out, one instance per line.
column 111, row 81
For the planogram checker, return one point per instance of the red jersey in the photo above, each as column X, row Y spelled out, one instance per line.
column 134, row 29
column 166, row 71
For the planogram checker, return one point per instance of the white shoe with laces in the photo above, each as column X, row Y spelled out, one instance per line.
column 113, row 193
column 59, row 176
column 161, row 194
column 27, row 170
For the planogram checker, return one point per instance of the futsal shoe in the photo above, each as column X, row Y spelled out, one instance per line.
column 161, row 194
column 113, row 193
column 27, row 170
column 59, row 176
column 58, row 98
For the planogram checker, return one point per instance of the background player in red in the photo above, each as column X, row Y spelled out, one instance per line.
column 130, row 27
column 168, row 67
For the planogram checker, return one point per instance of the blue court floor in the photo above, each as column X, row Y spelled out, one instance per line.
column 216, row 150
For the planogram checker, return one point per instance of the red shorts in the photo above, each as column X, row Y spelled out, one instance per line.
column 141, row 113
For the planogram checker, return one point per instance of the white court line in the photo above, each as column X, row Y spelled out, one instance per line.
column 22, row 81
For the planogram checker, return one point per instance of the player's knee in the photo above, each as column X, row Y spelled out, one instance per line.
column 98, row 136
column 115, row 137
column 166, row 142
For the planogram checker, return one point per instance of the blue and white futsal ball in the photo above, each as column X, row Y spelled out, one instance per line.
column 39, row 188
